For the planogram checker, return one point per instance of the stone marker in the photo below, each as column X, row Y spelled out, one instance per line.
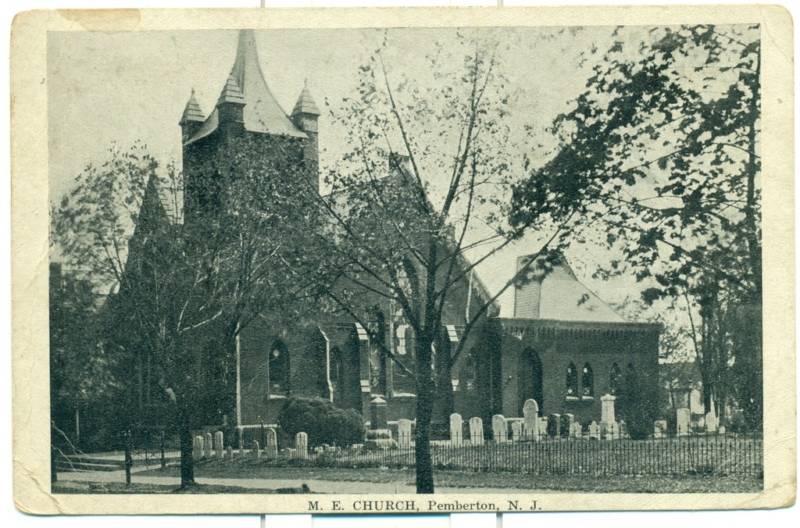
column 229, row 453
column 566, row 424
column 218, row 441
column 576, row 430
column 542, row 427
column 476, row 430
column 200, row 446
column 721, row 430
column 659, row 429
column 271, row 447
column 256, row 451
column 499, row 430
column 404, row 433
column 712, row 422
column 301, row 445
column 683, row 417
column 209, row 444
column 594, row 431
column 456, row 429
column 516, row 430
column 377, row 413
column 554, row 425
column 530, row 414
column 607, row 409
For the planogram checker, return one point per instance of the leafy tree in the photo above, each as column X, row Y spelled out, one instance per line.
column 661, row 152
column 428, row 168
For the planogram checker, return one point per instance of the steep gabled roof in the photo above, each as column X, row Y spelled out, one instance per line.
column 262, row 113
column 555, row 293
column 192, row 111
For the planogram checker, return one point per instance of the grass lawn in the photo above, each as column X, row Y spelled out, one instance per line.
column 136, row 488
column 252, row 468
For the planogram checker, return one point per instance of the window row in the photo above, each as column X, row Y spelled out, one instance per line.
column 585, row 387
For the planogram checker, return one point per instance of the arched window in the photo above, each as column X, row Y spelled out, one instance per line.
column 278, row 368
column 587, row 381
column 572, row 381
column 614, row 379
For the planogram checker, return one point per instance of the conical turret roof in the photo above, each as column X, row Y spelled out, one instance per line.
column 262, row 113
column 192, row 111
column 305, row 103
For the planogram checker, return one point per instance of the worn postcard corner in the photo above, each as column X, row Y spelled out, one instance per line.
column 403, row 260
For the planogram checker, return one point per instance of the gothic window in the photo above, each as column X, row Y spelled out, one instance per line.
column 614, row 379
column 587, row 382
column 572, row 381
column 278, row 368
column 469, row 371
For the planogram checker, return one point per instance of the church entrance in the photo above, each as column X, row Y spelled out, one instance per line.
column 531, row 384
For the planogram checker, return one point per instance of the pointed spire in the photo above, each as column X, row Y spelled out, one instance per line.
column 192, row 112
column 152, row 214
column 305, row 103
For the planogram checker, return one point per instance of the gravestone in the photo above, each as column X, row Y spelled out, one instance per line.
column 542, row 428
column 659, row 429
column 200, row 446
column 209, row 445
column 499, row 430
column 377, row 413
column 456, row 429
column 301, row 445
column 567, row 420
column 516, row 430
column 623, row 429
column 404, row 433
column 607, row 409
column 195, row 454
column 683, row 417
column 476, row 430
column 256, row 451
column 271, row 446
column 721, row 430
column 575, row 430
column 229, row 453
column 594, row 431
column 218, row 441
column 610, row 431
column 712, row 422
column 530, row 414
column 554, row 425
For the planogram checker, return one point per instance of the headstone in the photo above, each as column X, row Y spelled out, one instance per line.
column 456, row 429
column 542, row 427
column 404, row 433
column 476, row 430
column 195, row 445
column 271, row 446
column 218, row 441
column 516, row 430
column 566, row 424
column 209, row 445
column 659, row 429
column 301, row 445
column 683, row 417
column 594, row 431
column 610, row 430
column 575, row 430
column 229, row 453
column 712, row 422
column 530, row 414
column 256, row 451
column 377, row 413
column 499, row 430
column 200, row 446
column 721, row 430
column 607, row 409
column 554, row 425
column 623, row 429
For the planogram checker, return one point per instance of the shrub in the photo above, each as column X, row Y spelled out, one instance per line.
column 322, row 421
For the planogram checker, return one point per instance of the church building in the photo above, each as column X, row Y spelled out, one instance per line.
column 562, row 346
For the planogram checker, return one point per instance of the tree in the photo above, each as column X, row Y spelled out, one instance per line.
column 661, row 150
column 428, row 168
column 177, row 283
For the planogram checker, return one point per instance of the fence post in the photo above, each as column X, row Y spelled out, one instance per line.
column 163, row 451
column 128, row 456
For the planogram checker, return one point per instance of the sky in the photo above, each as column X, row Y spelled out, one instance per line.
column 123, row 87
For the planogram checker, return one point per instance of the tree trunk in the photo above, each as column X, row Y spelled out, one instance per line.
column 187, row 462
column 422, row 450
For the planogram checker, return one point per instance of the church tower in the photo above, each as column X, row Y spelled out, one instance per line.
column 246, row 123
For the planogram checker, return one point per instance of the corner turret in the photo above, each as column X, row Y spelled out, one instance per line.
column 192, row 118
column 305, row 116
